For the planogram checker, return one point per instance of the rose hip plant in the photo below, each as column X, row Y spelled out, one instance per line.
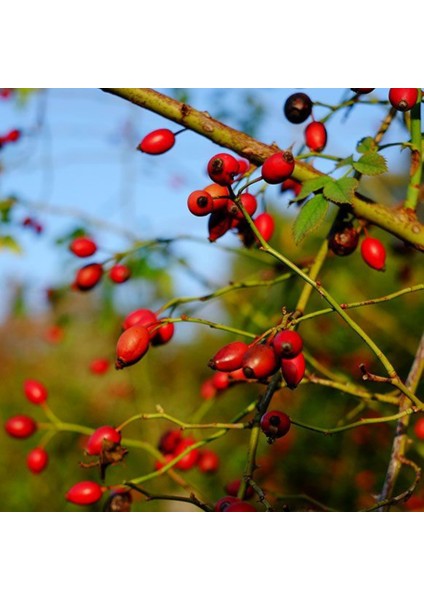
column 306, row 376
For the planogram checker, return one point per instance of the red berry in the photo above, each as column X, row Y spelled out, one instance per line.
column 278, row 167
column 208, row 390
column 37, row 460
column 293, row 370
column 170, row 440
column 20, row 426
column 419, row 428
column 249, row 203
column 291, row 184
column 35, row 391
column 200, row 203
column 223, row 503
column 229, row 357
column 220, row 195
column 240, row 507
column 222, row 168
column 132, row 345
column 298, row 108
column 98, row 366
column 190, row 459
column 403, row 99
column 88, row 277
column 12, row 136
column 265, row 224
column 208, row 461
column 374, row 253
column 287, row 343
column 84, row 492
column 119, row 273
column 83, row 247
column 94, row 444
column 141, row 316
column 316, row 136
column 244, row 165
column 162, row 334
column 233, row 487
column 260, row 361
column 159, row 463
column 157, row 142
column 275, row 424
column 220, row 381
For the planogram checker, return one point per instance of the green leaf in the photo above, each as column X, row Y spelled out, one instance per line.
column 309, row 217
column 345, row 161
column 310, row 186
column 341, row 190
column 367, row 144
column 7, row 242
column 371, row 163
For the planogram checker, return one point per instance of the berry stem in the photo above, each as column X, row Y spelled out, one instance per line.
column 413, row 192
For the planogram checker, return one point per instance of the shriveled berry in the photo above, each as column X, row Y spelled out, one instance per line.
column 229, row 357
column 200, row 203
column 240, row 507
column 316, row 136
column 287, row 343
column 403, row 99
column 119, row 500
column 140, row 316
column 278, row 167
column 20, row 426
column 88, row 277
column 220, row 196
column 132, row 345
column 343, row 239
column 362, row 90
column 157, row 141
column 219, row 223
column 223, row 503
column 84, row 492
column 35, row 391
column 98, row 366
column 293, row 370
column 374, row 253
column 37, row 460
column 107, row 433
column 208, row 461
column 223, row 168
column 275, row 424
column 260, row 361
column 119, row 273
column 297, row 108
column 160, row 335
column 83, row 246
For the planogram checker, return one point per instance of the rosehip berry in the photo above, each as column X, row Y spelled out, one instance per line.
column 35, row 391
column 84, row 492
column 88, row 277
column 98, row 366
column 162, row 334
column 190, row 459
column 220, row 381
column 219, row 223
column 249, row 203
column 229, row 357
column 265, row 224
column 278, row 167
column 298, row 108
column 12, row 136
column 260, row 361
column 293, row 370
column 223, row 503
column 119, row 273
column 159, row 463
column 132, row 345
column 157, row 142
column 207, row 389
column 200, row 203
column 287, row 343
column 316, row 136
column 170, row 440
column 20, row 426
column 37, row 460
column 403, row 99
column 275, row 424
column 374, row 253
column 232, row 489
column 344, row 239
column 244, row 165
column 220, row 196
column 240, row 507
column 83, row 247
column 419, row 428
column 291, row 184
column 141, row 316
column 94, row 444
column 208, row 461
column 223, row 168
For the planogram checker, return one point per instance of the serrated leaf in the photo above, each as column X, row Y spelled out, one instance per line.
column 310, row 186
column 309, row 217
column 371, row 163
column 367, row 144
column 7, row 242
column 341, row 190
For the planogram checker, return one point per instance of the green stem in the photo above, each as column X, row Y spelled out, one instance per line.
column 414, row 185
column 181, row 424
column 313, row 274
